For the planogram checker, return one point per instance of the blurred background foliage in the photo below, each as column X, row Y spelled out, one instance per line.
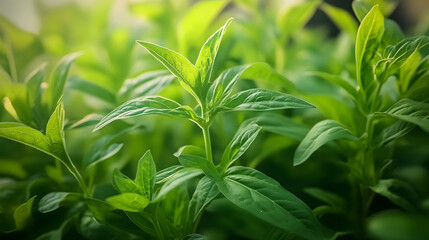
column 97, row 40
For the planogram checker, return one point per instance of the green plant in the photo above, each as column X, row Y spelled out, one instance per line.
column 245, row 187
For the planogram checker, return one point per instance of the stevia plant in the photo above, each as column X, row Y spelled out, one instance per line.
column 385, row 102
column 151, row 192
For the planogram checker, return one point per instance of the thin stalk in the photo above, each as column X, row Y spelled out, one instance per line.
column 73, row 170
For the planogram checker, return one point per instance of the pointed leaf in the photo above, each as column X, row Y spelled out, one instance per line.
column 205, row 192
column 399, row 192
column 361, row 9
column 176, row 180
column 22, row 214
column 262, row 100
column 265, row 198
column 177, row 64
column 410, row 111
column 130, row 202
column 368, row 38
column 191, row 161
column 207, row 55
column 55, row 132
column 321, row 133
column 144, row 106
column 91, row 89
column 145, row 177
column 239, row 144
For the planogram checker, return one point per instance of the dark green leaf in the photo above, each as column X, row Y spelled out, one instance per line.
column 191, row 161
column 239, row 144
column 194, row 236
column 321, row 133
column 205, row 192
column 145, row 177
column 399, row 192
column 262, row 100
column 330, row 198
column 176, row 180
column 130, row 202
column 266, row 199
column 53, row 200
column 144, row 106
column 393, row 132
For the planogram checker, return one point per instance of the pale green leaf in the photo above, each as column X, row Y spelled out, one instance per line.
column 130, row 202
column 368, row 38
column 265, row 198
column 321, row 133
column 167, row 173
column 91, row 89
column 342, row 19
column 177, row 64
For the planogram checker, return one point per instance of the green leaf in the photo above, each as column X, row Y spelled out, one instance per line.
column 266, row 199
column 58, row 79
column 392, row 32
column 409, row 111
column 55, row 133
column 130, row 202
column 107, row 214
column 223, row 85
column 145, row 106
column 342, row 19
column 167, row 173
column 190, row 150
column 124, row 184
column 22, row 214
column 337, row 81
column 399, row 192
column 176, row 180
column 177, row 64
column 279, row 124
column 88, row 120
column 207, row 55
column 361, row 9
column 33, row 83
column 146, row 84
column 321, row 133
column 103, row 154
column 145, row 177
column 262, row 100
column 327, row 197
column 393, row 132
column 191, row 161
column 91, row 89
column 143, row 221
column 368, row 38
column 21, row 133
column 239, row 144
column 54, row 200
column 195, row 236
column 205, row 192
column 295, row 16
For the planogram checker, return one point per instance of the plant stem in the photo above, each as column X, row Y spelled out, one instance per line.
column 73, row 170
column 207, row 142
column 11, row 59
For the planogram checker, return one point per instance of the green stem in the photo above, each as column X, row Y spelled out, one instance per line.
column 158, row 228
column 207, row 142
column 73, row 170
